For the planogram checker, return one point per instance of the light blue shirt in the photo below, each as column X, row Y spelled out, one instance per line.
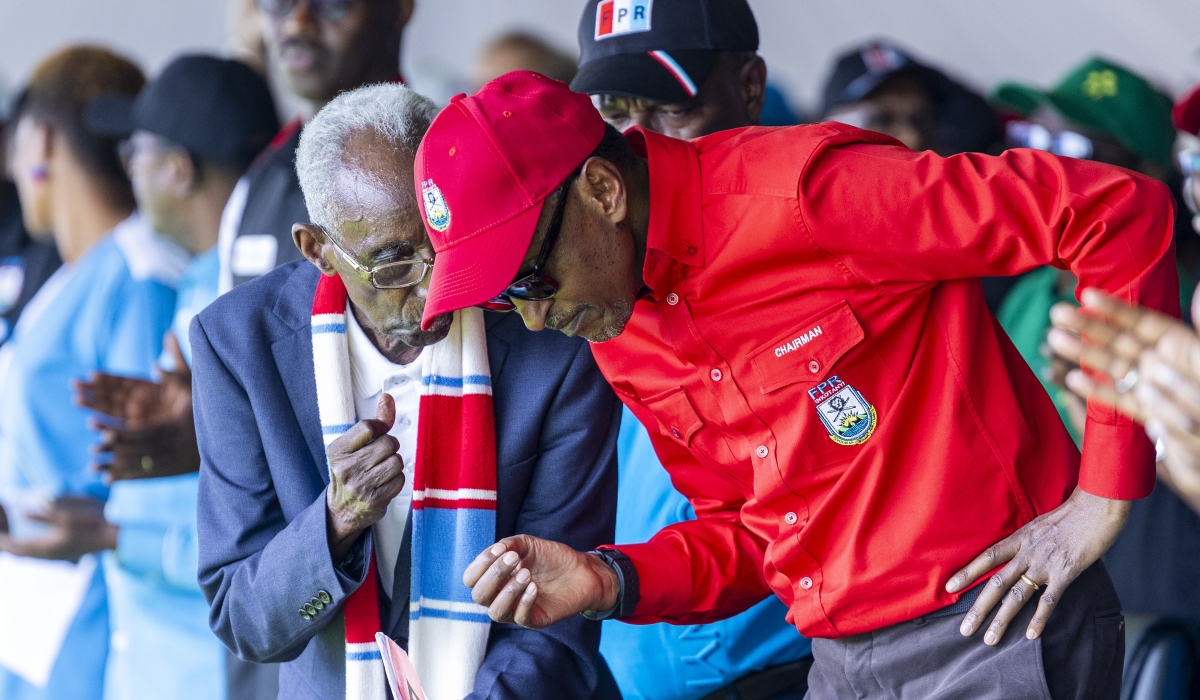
column 106, row 312
column 680, row 662
column 162, row 646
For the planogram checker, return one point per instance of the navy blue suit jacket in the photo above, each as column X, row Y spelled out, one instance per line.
column 263, row 550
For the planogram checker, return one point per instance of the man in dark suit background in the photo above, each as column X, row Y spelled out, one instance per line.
column 274, row 533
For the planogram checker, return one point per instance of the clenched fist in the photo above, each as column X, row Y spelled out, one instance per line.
column 366, row 474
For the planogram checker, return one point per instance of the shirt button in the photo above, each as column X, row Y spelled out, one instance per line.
column 715, row 374
column 675, row 434
column 790, row 518
column 405, row 421
column 806, row 583
column 691, row 250
column 672, row 298
column 814, row 366
column 762, row 451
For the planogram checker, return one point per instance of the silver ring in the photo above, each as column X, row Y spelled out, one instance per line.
column 1128, row 382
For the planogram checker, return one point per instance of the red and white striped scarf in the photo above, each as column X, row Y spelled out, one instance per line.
column 454, row 501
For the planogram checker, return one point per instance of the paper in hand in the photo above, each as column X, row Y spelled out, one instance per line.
column 401, row 676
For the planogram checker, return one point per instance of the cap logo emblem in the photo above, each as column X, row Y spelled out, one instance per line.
column 436, row 211
column 1100, row 84
column 620, row 17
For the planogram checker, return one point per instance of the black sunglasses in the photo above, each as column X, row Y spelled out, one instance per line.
column 535, row 285
column 325, row 10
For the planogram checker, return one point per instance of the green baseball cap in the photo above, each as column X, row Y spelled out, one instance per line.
column 1107, row 98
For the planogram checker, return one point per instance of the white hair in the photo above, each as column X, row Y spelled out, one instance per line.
column 396, row 113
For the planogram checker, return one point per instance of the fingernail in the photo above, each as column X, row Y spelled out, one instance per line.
column 1030, row 634
column 523, row 576
column 965, row 629
column 497, row 549
column 511, row 558
column 989, row 638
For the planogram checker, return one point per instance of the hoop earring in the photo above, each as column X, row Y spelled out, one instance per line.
column 39, row 172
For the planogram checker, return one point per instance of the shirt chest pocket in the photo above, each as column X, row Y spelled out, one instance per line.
column 829, row 375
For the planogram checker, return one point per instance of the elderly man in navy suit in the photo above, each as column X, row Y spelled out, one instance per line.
column 284, row 538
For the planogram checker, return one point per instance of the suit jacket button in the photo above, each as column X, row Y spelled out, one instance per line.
column 304, row 614
column 308, row 608
column 325, row 597
column 317, row 604
column 676, row 434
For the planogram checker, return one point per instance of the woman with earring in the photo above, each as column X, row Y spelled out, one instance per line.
column 105, row 309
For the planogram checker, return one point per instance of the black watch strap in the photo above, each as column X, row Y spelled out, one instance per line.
column 628, row 592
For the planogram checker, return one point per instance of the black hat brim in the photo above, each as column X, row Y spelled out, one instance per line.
column 110, row 116
column 642, row 76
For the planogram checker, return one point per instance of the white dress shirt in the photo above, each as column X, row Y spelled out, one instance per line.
column 372, row 374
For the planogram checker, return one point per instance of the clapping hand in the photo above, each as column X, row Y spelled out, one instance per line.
column 1149, row 369
column 74, row 526
column 149, row 430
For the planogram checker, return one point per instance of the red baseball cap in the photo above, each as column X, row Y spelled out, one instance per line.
column 1187, row 112
column 482, row 171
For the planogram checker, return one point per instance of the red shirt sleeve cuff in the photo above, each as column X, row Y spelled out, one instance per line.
column 1118, row 461
column 664, row 579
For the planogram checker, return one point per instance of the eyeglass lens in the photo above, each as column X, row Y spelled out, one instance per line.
column 398, row 275
column 329, row 10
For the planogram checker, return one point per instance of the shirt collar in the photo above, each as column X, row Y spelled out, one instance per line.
column 676, row 231
column 369, row 369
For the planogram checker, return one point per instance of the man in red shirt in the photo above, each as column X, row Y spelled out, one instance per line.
column 793, row 315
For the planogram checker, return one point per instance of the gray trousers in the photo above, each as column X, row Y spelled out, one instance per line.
column 1078, row 657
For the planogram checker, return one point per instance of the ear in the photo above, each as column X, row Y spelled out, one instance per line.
column 601, row 187
column 404, row 13
column 310, row 239
column 184, row 175
column 753, row 83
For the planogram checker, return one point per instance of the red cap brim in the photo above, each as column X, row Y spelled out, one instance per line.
column 481, row 267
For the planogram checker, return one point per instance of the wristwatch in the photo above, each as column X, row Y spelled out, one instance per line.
column 627, row 580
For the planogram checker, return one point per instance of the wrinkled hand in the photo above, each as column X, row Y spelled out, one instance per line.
column 535, row 582
column 1052, row 550
column 366, row 474
column 1112, row 339
column 75, row 527
column 137, row 403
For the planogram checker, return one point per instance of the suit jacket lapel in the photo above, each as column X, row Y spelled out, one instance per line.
column 294, row 359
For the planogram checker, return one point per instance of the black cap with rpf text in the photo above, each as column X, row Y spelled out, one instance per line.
column 659, row 50
column 219, row 109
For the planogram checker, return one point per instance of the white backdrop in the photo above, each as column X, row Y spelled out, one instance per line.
column 984, row 42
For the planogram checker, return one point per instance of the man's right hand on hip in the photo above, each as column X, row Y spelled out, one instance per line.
column 366, row 474
column 534, row 582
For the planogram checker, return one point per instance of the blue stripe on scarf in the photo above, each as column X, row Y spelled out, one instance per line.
column 329, row 328
column 471, row 379
column 451, row 615
column 365, row 655
column 451, row 538
column 335, row 429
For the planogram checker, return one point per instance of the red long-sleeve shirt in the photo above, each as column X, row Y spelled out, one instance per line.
column 822, row 379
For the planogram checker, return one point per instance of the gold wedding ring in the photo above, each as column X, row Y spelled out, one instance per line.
column 147, row 464
column 1030, row 581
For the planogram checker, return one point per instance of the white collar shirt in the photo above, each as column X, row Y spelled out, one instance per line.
column 372, row 374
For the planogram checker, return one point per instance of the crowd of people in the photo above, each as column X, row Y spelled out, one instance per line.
column 895, row 402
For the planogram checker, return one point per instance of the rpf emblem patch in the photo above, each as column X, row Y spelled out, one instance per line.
column 436, row 211
column 844, row 412
column 620, row 17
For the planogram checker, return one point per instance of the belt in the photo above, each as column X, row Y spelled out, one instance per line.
column 767, row 683
column 959, row 608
